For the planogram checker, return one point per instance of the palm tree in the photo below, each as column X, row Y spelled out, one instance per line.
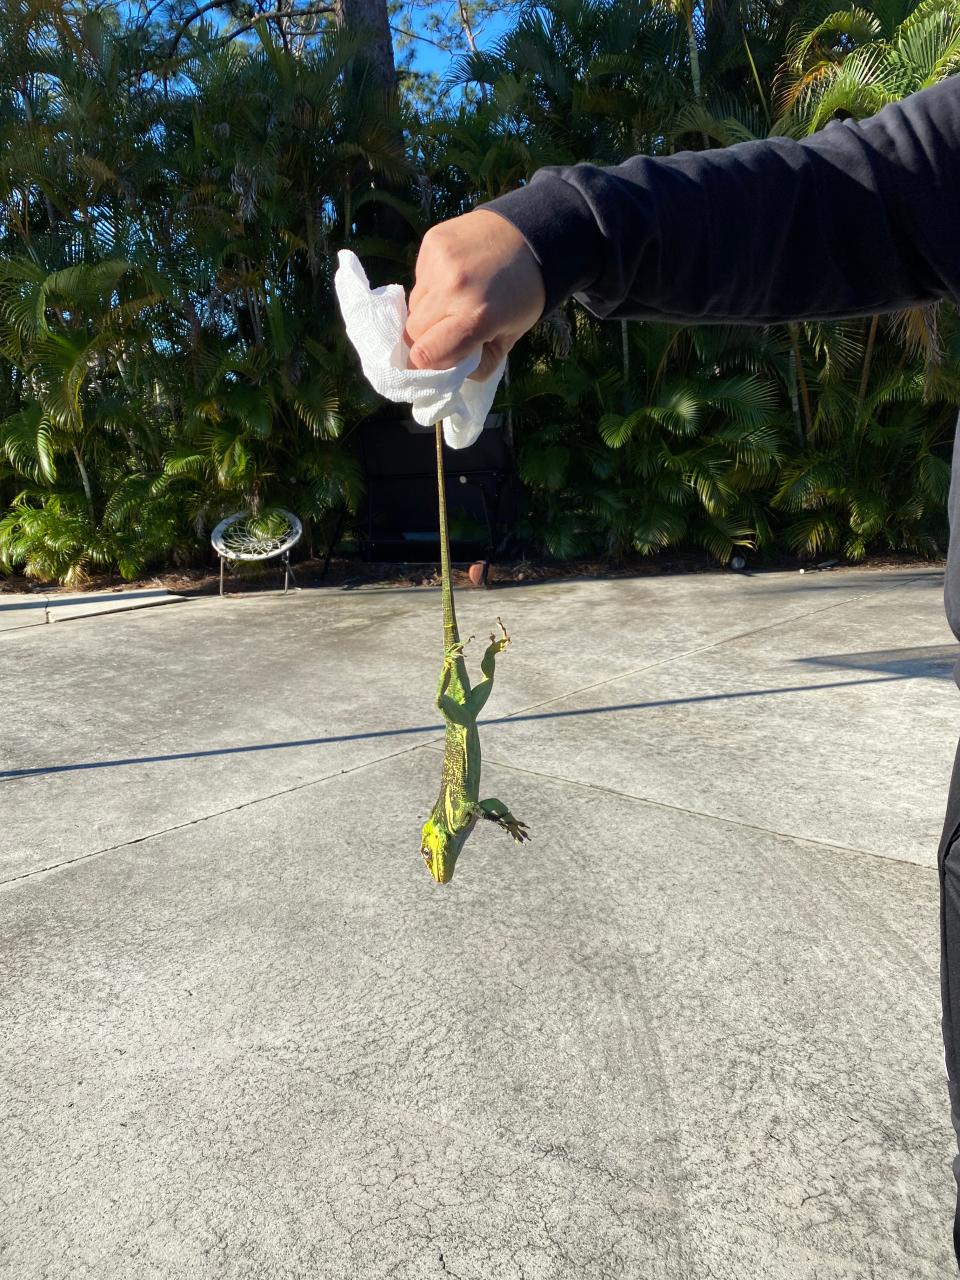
column 678, row 451
column 856, row 61
column 179, row 356
column 591, row 80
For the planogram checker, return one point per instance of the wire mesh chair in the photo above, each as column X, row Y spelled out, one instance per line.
column 244, row 536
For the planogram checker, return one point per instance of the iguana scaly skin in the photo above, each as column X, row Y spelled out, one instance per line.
column 459, row 806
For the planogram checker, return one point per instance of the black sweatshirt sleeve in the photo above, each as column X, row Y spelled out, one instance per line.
column 857, row 219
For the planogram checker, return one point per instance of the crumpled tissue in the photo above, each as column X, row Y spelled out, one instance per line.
column 374, row 320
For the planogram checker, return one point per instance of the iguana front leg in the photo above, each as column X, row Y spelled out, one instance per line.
column 488, row 663
column 498, row 812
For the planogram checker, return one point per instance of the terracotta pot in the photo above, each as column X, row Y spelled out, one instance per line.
column 477, row 573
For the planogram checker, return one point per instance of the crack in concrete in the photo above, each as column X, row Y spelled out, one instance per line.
column 23, row 626
column 203, row 817
column 140, row 603
column 677, row 657
column 693, row 813
column 705, row 648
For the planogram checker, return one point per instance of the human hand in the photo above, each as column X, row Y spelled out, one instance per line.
column 477, row 283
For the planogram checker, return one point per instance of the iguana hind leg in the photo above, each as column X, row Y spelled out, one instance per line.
column 452, row 711
column 496, row 811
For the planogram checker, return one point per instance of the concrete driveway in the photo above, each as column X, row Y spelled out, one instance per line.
column 689, row 1033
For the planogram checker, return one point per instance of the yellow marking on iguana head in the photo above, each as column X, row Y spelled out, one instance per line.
column 439, row 851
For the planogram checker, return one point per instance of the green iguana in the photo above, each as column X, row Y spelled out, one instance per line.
column 459, row 806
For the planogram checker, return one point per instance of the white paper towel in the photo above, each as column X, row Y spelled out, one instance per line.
column 374, row 319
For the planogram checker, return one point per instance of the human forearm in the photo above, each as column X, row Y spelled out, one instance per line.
column 855, row 220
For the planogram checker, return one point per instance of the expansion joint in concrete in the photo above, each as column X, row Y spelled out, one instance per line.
column 703, row 648
column 693, row 813
column 204, row 817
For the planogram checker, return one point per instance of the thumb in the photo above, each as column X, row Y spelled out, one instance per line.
column 446, row 343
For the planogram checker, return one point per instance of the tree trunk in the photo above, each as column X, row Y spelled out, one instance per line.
column 867, row 359
column 468, row 32
column 371, row 16
column 378, row 73
column 694, row 58
column 793, row 330
column 695, row 67
column 85, row 480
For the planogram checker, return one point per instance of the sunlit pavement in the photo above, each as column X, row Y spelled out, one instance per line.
column 691, row 1030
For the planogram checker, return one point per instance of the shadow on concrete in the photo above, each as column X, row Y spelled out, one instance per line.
column 24, row 604
column 785, row 581
column 933, row 661
column 10, row 774
column 816, row 582
column 60, row 602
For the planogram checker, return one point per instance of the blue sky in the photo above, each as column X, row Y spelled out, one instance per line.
column 428, row 58
column 425, row 56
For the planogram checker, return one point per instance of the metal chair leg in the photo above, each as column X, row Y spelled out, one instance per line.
column 221, row 574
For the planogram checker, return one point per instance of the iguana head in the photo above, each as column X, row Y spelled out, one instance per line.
column 439, row 850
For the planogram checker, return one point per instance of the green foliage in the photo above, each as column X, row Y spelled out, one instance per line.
column 173, row 202
column 640, row 462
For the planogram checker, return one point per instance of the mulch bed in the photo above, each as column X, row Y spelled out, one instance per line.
column 349, row 573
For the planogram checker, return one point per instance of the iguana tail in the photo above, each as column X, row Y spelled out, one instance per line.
column 450, row 633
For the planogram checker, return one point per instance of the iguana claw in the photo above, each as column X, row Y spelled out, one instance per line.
column 455, row 651
column 517, row 829
column 496, row 811
column 503, row 641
